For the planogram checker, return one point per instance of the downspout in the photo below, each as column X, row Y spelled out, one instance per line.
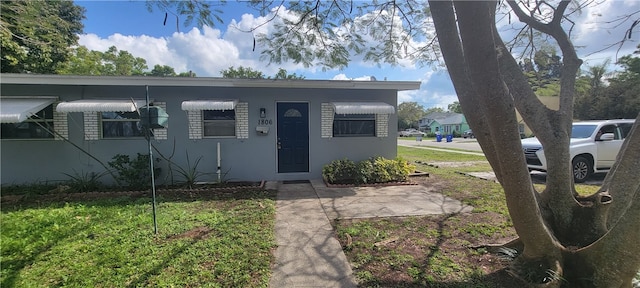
column 218, row 172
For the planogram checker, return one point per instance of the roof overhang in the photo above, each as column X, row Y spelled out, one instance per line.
column 38, row 79
column 18, row 109
column 198, row 105
column 363, row 108
column 94, row 105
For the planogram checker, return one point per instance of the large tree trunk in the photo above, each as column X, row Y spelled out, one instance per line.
column 563, row 237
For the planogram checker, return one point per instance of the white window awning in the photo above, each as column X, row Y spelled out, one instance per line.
column 18, row 109
column 363, row 108
column 198, row 105
column 94, row 105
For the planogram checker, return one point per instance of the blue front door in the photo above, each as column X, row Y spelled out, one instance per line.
column 293, row 137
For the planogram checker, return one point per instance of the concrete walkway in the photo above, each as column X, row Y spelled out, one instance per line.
column 308, row 254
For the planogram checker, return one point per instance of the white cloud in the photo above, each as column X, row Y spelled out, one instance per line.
column 604, row 25
column 207, row 51
column 343, row 76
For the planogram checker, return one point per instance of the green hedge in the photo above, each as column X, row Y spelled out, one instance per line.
column 372, row 170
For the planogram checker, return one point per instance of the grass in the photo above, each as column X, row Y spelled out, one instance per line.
column 213, row 240
column 434, row 251
column 221, row 239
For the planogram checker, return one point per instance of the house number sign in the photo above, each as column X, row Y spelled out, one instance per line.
column 265, row 122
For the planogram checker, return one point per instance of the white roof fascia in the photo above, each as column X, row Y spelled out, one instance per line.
column 198, row 105
column 363, row 108
column 18, row 109
column 203, row 82
column 94, row 105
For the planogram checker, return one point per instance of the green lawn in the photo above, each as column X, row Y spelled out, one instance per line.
column 435, row 250
column 226, row 239
column 205, row 239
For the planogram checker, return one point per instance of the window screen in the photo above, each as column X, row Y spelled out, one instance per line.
column 219, row 123
column 354, row 125
column 121, row 125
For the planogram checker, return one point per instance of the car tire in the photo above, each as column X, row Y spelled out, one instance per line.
column 582, row 169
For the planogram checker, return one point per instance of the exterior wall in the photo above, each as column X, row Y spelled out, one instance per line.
column 247, row 157
column 552, row 102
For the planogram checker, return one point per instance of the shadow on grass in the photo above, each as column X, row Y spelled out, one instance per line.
column 143, row 279
column 498, row 279
column 11, row 268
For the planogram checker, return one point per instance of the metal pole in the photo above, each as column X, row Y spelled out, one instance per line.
column 153, row 180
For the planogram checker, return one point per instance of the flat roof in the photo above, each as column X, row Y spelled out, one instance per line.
column 55, row 79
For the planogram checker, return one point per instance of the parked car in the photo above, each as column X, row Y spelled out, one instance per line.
column 411, row 133
column 593, row 147
column 468, row 134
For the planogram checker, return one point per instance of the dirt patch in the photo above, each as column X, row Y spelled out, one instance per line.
column 240, row 190
column 428, row 251
column 197, row 233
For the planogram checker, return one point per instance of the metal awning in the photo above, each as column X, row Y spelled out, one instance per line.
column 18, row 109
column 197, row 105
column 363, row 108
column 94, row 105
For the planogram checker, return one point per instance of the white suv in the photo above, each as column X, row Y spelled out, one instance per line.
column 593, row 148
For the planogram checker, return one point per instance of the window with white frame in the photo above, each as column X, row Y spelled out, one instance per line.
column 121, row 125
column 219, row 123
column 38, row 126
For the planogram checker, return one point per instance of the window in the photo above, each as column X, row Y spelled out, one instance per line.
column 350, row 125
column 625, row 129
column 35, row 127
column 582, row 131
column 121, row 125
column 219, row 123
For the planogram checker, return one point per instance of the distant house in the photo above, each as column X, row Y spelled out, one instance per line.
column 247, row 129
column 552, row 102
column 445, row 122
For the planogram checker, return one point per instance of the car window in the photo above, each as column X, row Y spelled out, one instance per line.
column 625, row 128
column 582, row 131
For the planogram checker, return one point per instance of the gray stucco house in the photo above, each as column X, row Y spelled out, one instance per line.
column 248, row 129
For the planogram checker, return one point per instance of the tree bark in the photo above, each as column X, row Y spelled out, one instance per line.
column 558, row 195
column 490, row 87
column 472, row 60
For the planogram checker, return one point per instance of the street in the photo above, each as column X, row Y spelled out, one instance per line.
column 472, row 146
column 457, row 143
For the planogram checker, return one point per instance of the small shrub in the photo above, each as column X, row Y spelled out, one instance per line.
column 190, row 173
column 372, row 170
column 364, row 172
column 134, row 173
column 84, row 181
column 339, row 171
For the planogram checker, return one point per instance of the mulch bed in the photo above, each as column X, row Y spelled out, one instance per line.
column 204, row 190
column 395, row 183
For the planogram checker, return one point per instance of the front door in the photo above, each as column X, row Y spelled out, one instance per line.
column 293, row 137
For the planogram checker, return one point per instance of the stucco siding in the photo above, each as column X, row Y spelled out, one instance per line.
column 249, row 156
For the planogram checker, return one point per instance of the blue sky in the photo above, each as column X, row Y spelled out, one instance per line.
column 129, row 26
